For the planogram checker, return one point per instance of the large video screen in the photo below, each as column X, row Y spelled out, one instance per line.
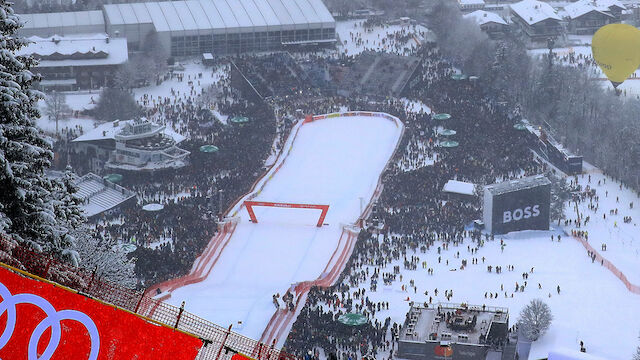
column 39, row 320
column 526, row 209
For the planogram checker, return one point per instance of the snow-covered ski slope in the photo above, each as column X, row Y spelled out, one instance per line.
column 335, row 161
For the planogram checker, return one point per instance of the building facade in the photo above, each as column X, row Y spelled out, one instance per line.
column 537, row 20
column 585, row 17
column 470, row 5
column 456, row 332
column 76, row 61
column 131, row 145
column 222, row 27
column 194, row 27
column 491, row 23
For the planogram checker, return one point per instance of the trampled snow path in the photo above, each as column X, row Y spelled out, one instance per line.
column 335, row 161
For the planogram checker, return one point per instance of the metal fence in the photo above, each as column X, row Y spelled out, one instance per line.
column 218, row 342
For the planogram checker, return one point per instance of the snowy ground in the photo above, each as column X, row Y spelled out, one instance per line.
column 416, row 106
column 622, row 239
column 350, row 31
column 191, row 85
column 593, row 305
column 195, row 78
column 328, row 165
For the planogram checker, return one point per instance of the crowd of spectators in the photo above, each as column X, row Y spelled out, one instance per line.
column 412, row 212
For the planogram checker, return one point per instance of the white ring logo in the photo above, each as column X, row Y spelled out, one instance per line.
column 52, row 321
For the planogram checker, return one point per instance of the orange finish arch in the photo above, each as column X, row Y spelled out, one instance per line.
column 250, row 204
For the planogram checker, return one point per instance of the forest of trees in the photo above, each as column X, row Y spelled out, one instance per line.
column 582, row 115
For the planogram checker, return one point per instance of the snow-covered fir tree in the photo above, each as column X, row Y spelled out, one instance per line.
column 91, row 250
column 103, row 256
column 28, row 209
column 535, row 319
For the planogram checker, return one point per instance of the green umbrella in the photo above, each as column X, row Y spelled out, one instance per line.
column 114, row 178
column 449, row 144
column 519, row 126
column 458, row 76
column 448, row 132
column 209, row 148
column 239, row 119
column 442, row 116
column 353, row 319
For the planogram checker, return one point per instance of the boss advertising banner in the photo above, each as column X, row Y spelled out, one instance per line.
column 522, row 204
column 41, row 321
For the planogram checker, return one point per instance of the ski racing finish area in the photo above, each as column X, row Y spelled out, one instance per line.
column 333, row 160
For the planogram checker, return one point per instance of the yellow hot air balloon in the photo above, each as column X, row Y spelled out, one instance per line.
column 616, row 49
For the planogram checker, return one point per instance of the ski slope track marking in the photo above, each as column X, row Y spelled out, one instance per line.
column 335, row 159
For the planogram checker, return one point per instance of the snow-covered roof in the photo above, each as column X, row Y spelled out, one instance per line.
column 579, row 8
column 471, row 2
column 99, row 195
column 533, row 11
column 203, row 15
column 107, row 131
column 63, row 19
column 77, row 50
column 517, row 184
column 459, row 187
column 482, row 17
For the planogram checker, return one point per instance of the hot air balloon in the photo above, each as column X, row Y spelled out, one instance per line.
column 616, row 49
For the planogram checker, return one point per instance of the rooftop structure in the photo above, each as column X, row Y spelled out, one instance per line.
column 459, row 187
column 464, row 329
column 76, row 50
column 482, row 17
column 533, row 12
column 517, row 185
column 582, row 7
column 70, row 62
column 470, row 5
column 108, row 131
column 62, row 23
column 133, row 145
column 198, row 26
column 98, row 195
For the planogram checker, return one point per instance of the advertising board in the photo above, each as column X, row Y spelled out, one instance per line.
column 39, row 320
column 522, row 204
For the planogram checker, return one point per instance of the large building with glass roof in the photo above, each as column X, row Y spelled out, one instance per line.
column 222, row 26
column 198, row 26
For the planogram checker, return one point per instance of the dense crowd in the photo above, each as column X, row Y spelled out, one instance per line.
column 195, row 196
column 412, row 212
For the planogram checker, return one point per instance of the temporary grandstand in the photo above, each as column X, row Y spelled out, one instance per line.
column 218, row 26
column 381, row 74
column 98, row 195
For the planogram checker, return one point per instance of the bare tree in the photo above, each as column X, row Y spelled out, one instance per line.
column 535, row 319
column 56, row 107
column 636, row 356
column 157, row 55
